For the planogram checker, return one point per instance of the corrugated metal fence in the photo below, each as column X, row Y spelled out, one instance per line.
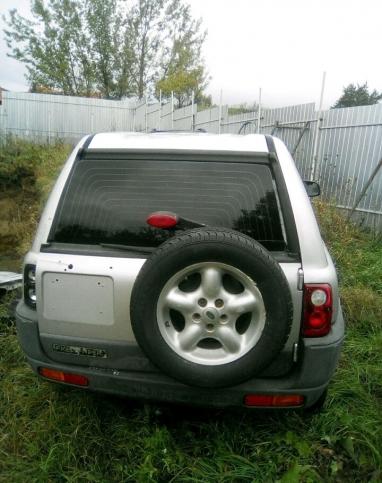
column 47, row 118
column 348, row 147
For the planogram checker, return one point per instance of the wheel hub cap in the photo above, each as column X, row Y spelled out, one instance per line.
column 210, row 315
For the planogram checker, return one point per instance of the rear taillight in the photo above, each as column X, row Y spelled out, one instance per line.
column 67, row 377
column 273, row 401
column 30, row 285
column 318, row 307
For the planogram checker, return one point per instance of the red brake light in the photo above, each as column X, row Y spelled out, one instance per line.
column 76, row 379
column 318, row 307
column 162, row 219
column 279, row 400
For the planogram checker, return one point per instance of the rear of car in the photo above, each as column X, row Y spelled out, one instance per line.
column 93, row 317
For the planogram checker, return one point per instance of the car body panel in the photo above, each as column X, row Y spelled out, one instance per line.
column 71, row 333
column 89, row 283
column 179, row 142
column 309, row 376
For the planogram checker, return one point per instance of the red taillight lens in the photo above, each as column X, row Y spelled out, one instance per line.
column 318, row 307
column 162, row 219
column 61, row 376
column 272, row 401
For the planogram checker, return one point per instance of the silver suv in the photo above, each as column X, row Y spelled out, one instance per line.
column 183, row 267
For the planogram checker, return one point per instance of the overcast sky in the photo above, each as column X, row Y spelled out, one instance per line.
column 282, row 46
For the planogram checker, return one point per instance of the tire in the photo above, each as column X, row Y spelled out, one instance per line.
column 211, row 307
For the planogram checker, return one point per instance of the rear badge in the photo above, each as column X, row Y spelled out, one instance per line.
column 79, row 351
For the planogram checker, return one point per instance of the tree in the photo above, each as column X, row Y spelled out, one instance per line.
column 167, row 43
column 183, row 77
column 95, row 47
column 103, row 27
column 147, row 24
column 182, row 67
column 70, row 45
column 357, row 95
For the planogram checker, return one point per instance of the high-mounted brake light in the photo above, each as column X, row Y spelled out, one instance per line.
column 318, row 308
column 69, row 378
column 162, row 219
column 273, row 401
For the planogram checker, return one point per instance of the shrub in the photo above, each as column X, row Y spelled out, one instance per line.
column 21, row 162
column 27, row 173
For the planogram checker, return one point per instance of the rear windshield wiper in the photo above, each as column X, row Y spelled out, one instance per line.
column 128, row 248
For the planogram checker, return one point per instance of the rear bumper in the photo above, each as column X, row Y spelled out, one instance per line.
column 309, row 377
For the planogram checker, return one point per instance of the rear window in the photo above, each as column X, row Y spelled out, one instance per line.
column 107, row 201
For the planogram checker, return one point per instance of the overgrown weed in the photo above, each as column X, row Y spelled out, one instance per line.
column 27, row 173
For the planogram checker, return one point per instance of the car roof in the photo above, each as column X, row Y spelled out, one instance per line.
column 179, row 141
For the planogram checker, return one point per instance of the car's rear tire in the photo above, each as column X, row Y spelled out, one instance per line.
column 211, row 307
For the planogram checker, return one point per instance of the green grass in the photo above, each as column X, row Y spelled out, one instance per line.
column 52, row 433
column 27, row 172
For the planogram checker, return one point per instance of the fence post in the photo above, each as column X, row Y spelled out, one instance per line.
column 192, row 110
column 172, row 109
column 317, row 132
column 220, row 111
column 48, row 127
column 259, row 112
column 160, row 109
column 146, row 125
column 134, row 114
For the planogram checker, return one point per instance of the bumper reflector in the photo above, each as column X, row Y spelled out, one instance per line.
column 61, row 376
column 273, row 401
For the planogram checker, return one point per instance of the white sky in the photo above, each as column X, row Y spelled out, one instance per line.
column 282, row 46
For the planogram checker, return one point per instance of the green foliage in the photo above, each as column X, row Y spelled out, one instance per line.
column 357, row 95
column 183, row 71
column 73, row 47
column 95, row 48
column 183, row 84
column 27, row 172
column 54, row 433
column 23, row 164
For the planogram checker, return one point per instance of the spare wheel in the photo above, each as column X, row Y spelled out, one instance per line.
column 211, row 307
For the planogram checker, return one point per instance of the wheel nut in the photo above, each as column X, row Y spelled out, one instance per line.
column 210, row 327
column 219, row 303
column 196, row 317
column 202, row 302
column 223, row 318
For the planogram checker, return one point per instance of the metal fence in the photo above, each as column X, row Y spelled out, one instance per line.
column 47, row 118
column 349, row 150
column 340, row 147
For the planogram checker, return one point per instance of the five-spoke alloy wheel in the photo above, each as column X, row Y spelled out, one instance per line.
column 211, row 313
